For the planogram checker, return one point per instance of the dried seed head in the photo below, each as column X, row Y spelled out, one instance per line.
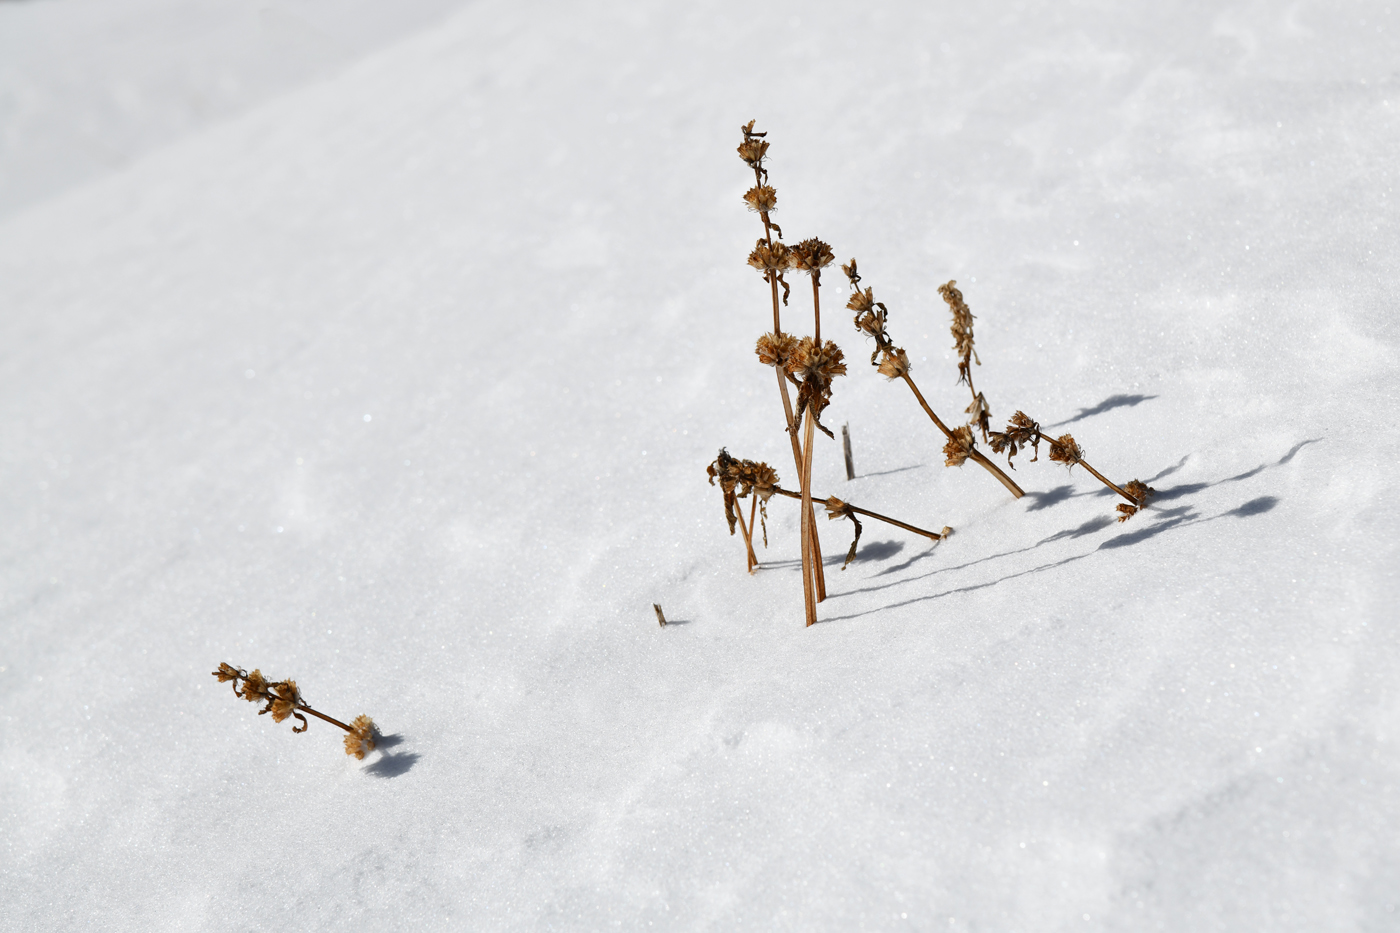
column 812, row 256
column 980, row 414
column 361, row 738
column 776, row 349
column 962, row 328
column 894, row 363
column 835, row 508
column 753, row 151
column 255, row 687
column 824, row 362
column 1020, row 431
column 959, row 446
column 762, row 198
column 758, row 478
column 726, row 469
column 1140, row 492
column 1063, row 449
column 851, row 274
column 767, row 259
column 285, row 700
column 860, row 302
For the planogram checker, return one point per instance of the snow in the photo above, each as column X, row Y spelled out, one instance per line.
column 401, row 381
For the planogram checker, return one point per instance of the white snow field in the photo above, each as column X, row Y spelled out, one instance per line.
column 403, row 383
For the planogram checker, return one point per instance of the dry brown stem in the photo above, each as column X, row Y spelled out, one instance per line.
column 1023, row 430
column 284, row 701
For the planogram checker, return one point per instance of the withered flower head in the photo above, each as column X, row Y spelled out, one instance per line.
column 753, row 148
column 762, row 198
column 759, row 478
column 726, row 469
column 776, row 349
column 851, row 273
column 812, row 256
column 824, row 362
column 1063, row 449
column 861, row 301
column 959, row 446
column 766, row 259
column 255, row 687
column 1140, row 492
column 1020, row 431
column 285, row 700
column 835, row 508
column 894, row 363
column 360, row 740
column 962, row 328
column 980, row 414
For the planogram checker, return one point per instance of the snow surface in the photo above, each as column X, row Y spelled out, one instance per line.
column 403, row 384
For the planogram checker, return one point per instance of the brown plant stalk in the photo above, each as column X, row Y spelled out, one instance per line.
column 1024, row 431
column 893, row 363
column 772, row 258
column 284, row 701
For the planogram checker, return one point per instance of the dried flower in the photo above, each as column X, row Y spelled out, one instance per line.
column 860, row 302
column 776, row 349
column 894, row 363
column 962, row 328
column 959, row 446
column 825, row 361
column 254, row 687
column 360, row 740
column 1020, row 432
column 762, row 198
column 1064, row 450
column 812, row 256
column 1140, row 492
column 726, row 469
column 753, row 149
column 981, row 415
column 285, row 701
column 835, row 508
column 851, row 274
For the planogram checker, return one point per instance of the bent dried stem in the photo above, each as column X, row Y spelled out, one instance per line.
column 284, row 701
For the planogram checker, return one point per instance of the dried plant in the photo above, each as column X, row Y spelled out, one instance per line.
column 980, row 414
column 1023, row 430
column 741, row 478
column 284, row 701
column 871, row 319
column 772, row 259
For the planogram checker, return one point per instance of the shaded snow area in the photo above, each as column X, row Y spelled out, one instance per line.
column 403, row 382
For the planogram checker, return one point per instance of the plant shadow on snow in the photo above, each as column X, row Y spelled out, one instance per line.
column 392, row 764
column 1163, row 520
column 875, row 550
column 890, row 472
column 1108, row 404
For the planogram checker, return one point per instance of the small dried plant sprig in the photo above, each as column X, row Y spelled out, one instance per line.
column 1023, row 430
column 980, row 412
column 871, row 320
column 740, row 479
column 285, row 701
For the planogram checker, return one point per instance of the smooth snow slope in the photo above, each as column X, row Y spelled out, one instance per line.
column 86, row 86
column 404, row 385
